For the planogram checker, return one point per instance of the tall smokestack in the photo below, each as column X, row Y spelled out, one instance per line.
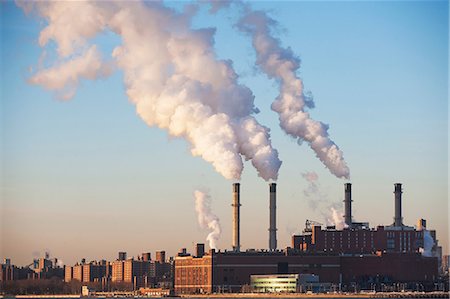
column 348, row 204
column 236, row 217
column 398, row 219
column 273, row 217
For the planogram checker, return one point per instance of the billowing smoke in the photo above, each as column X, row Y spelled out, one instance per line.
column 171, row 73
column 331, row 212
column 60, row 264
column 206, row 219
column 291, row 104
column 428, row 244
column 337, row 219
column 64, row 77
column 312, row 191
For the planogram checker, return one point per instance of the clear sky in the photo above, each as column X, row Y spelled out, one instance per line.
column 87, row 177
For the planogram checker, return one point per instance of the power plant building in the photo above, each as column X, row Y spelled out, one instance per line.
column 354, row 241
column 231, row 271
column 356, row 254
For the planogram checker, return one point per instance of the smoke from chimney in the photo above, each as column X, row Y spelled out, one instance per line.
column 428, row 244
column 171, row 74
column 337, row 219
column 206, row 219
column 318, row 201
column 282, row 64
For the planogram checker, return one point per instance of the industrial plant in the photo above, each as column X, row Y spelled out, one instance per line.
column 320, row 259
column 355, row 258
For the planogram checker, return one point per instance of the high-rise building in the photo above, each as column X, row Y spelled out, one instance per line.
column 117, row 271
column 78, row 272
column 131, row 271
column 68, row 273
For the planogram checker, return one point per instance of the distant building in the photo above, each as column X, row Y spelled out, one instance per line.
column 45, row 268
column 78, row 272
column 68, row 273
column 8, row 272
column 131, row 271
column 446, row 264
column 42, row 268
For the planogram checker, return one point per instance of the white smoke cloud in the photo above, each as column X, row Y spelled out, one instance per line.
column 312, row 193
column 337, row 219
column 60, row 264
column 282, row 64
column 331, row 212
column 428, row 244
column 64, row 77
column 206, row 219
column 171, row 74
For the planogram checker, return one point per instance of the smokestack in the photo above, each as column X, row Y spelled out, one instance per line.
column 236, row 217
column 273, row 217
column 398, row 219
column 348, row 204
column 199, row 250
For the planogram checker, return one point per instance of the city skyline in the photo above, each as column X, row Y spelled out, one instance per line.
column 86, row 177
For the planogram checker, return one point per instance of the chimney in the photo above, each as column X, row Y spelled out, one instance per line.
column 236, row 217
column 183, row 252
column 348, row 204
column 398, row 219
column 273, row 217
column 199, row 250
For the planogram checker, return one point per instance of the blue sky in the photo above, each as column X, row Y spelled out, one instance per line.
column 87, row 177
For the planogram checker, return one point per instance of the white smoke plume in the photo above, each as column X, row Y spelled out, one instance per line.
column 312, row 192
column 64, row 77
column 428, row 244
column 291, row 104
column 331, row 212
column 206, row 219
column 337, row 219
column 171, row 73
column 60, row 264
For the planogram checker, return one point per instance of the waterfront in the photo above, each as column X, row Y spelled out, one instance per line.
column 392, row 295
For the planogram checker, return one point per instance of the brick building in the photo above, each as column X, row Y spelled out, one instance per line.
column 354, row 241
column 231, row 271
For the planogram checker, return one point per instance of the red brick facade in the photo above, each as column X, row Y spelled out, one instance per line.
column 357, row 241
column 224, row 272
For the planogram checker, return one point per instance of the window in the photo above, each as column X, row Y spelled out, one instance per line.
column 390, row 244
